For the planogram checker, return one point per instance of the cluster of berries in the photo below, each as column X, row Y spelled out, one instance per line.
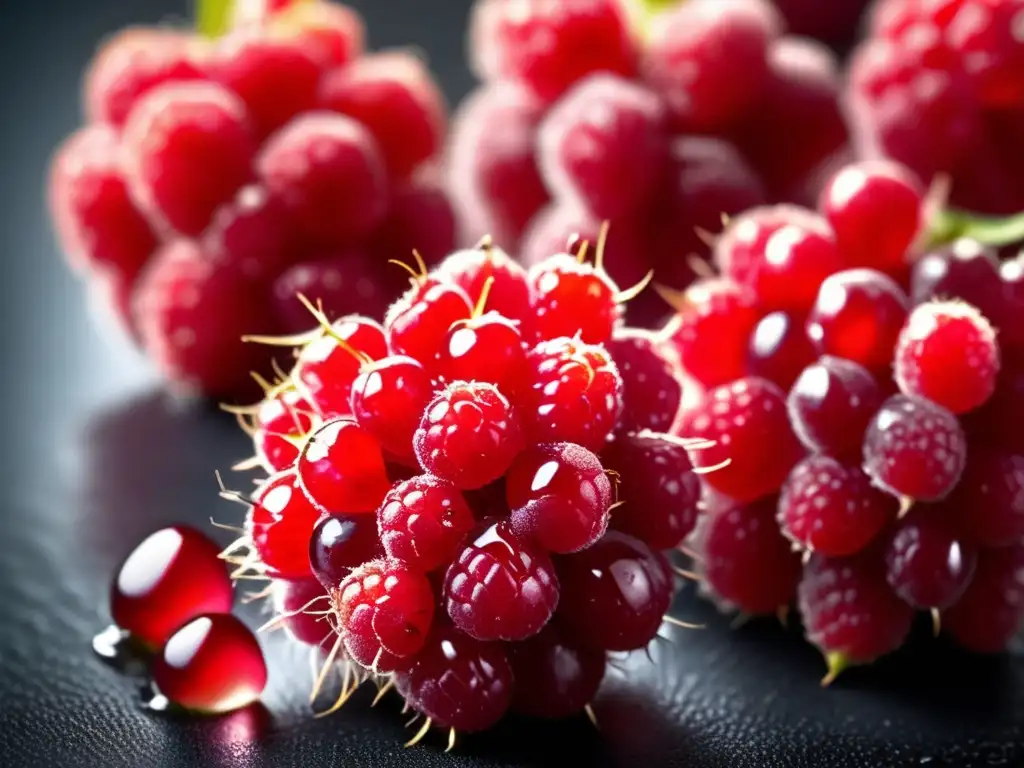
column 869, row 399
column 584, row 117
column 216, row 178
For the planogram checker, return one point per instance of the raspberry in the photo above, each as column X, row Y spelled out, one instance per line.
column 779, row 349
column 659, row 491
column 418, row 322
column 486, row 348
column 708, row 60
column 651, row 383
column 927, row 565
column 500, row 587
column 346, row 282
column 605, row 145
column 991, row 611
column 559, row 496
column 555, row 676
column 469, row 435
column 97, row 222
column 189, row 147
column 275, row 75
column 740, row 419
column 388, row 399
column 965, row 270
column 986, row 35
column 329, row 172
column 550, row 45
column 301, row 602
column 831, row 405
column 832, row 508
column 340, row 543
column 422, row 522
column 849, row 612
column 711, row 328
column 747, row 563
column 384, row 612
column 573, row 299
column 279, row 524
column 170, row 578
column 988, row 503
column 947, row 352
column 252, row 233
column 914, row 449
column 341, row 469
column 858, row 316
column 282, row 421
column 492, row 168
column 875, row 209
column 132, row 63
column 191, row 316
column 330, row 32
column 457, row 681
column 576, row 395
column 421, row 219
column 393, row 95
column 614, row 594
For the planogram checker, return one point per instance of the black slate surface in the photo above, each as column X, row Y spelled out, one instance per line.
column 93, row 457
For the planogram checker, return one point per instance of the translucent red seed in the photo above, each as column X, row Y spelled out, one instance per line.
column 651, row 382
column 927, row 564
column 388, row 399
column 779, row 349
column 797, row 258
column 282, row 421
column 279, row 525
column 418, row 322
column 304, row 603
column 340, row 543
column 509, row 295
column 341, row 469
column 422, row 522
column 486, row 348
column 555, row 676
column 572, row 299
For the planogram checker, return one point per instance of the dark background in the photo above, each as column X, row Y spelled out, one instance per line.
column 93, row 457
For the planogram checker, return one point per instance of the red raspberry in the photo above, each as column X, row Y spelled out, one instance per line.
column 927, row 564
column 189, row 147
column 469, row 435
column 492, row 166
column 708, row 59
column 831, row 405
column 340, row 543
column 747, row 564
column 485, row 348
column 97, row 222
column 394, row 96
column 659, row 491
column 711, row 328
column 341, row 469
column 421, row 219
column 418, row 323
column 573, row 299
column 282, row 421
column 614, row 594
column 779, row 349
column 457, row 681
column 914, row 449
column 875, row 209
column 549, row 45
column 849, row 612
column 947, row 352
column 191, row 316
column 253, row 234
column 858, row 316
column 329, row 172
column 559, row 495
column 388, row 400
column 741, row 419
column 132, row 63
column 295, row 600
column 651, row 382
column 991, row 611
column 422, row 522
column 500, row 587
column 331, row 32
column 509, row 294
column 605, row 145
column 280, row 524
column 555, row 676
column 832, row 508
column 965, row 270
column 384, row 612
column 576, row 395
column 275, row 75
column 988, row 503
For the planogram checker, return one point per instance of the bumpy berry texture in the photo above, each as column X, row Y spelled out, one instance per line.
column 991, row 611
column 422, row 522
column 651, row 381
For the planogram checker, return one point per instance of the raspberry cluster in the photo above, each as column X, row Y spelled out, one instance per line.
column 938, row 86
column 585, row 117
column 862, row 403
column 217, row 178
column 479, row 489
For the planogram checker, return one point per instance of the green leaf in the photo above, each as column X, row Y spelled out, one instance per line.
column 951, row 224
column 214, row 17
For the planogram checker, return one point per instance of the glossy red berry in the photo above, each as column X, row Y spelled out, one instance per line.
column 832, row 508
column 173, row 576
column 965, row 270
column 469, row 434
column 947, row 352
column 487, row 348
column 572, row 299
column 333, row 33
column 914, row 449
column 576, row 395
column 555, row 676
column 779, row 349
column 797, row 258
column 740, row 420
column 422, row 522
column 211, row 665
column 341, row 469
column 384, row 611
column 988, row 502
column 651, row 381
column 614, row 594
column 388, row 399
column 418, row 322
column 340, row 543
column 927, row 564
column 991, row 611
column 282, row 422
column 741, row 247
column 303, row 602
column 509, row 294
column 280, row 524
column 500, row 587
column 1000, row 422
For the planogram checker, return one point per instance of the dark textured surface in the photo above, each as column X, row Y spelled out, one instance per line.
column 93, row 458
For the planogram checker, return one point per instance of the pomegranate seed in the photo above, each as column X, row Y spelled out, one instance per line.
column 280, row 523
column 422, row 522
column 779, row 349
column 305, row 622
column 509, row 295
column 927, row 565
column 282, row 422
column 965, row 270
column 486, row 348
column 340, row 543
column 991, row 611
column 388, row 400
column 341, row 469
column 651, row 383
column 419, row 321
column 573, row 299
column 555, row 676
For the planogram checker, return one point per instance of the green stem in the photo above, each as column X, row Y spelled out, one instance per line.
column 952, row 224
column 214, row 17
